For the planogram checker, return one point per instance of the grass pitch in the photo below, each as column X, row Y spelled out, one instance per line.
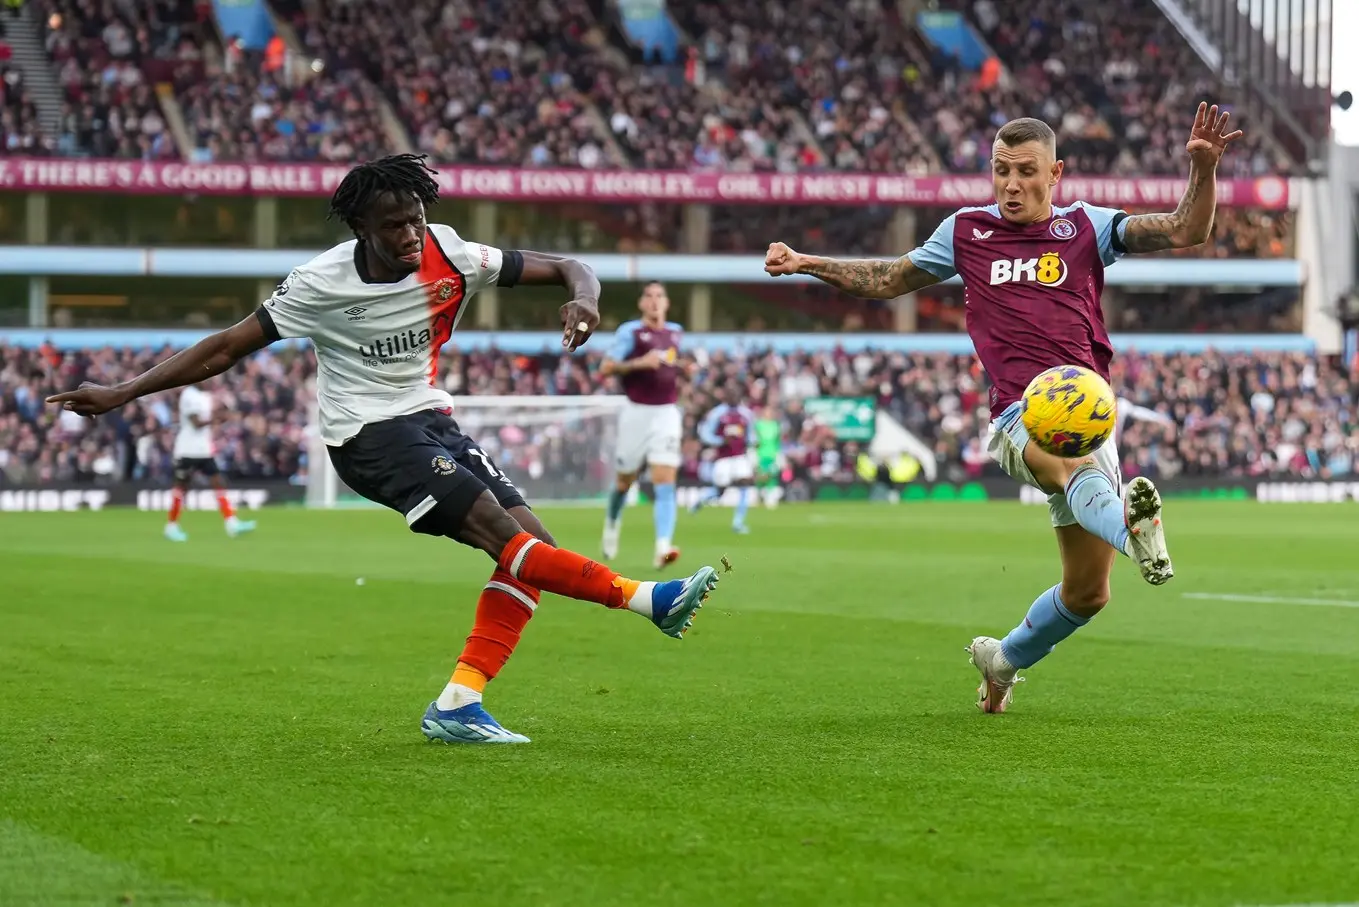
column 235, row 723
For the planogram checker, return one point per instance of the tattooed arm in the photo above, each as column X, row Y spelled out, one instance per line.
column 871, row 278
column 1191, row 222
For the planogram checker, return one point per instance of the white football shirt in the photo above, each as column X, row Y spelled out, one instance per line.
column 377, row 344
column 190, row 441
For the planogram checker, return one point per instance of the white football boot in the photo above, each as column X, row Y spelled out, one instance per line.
column 998, row 675
column 1146, row 535
column 609, row 544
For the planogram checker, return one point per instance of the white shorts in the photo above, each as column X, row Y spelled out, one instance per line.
column 648, row 434
column 730, row 470
column 1005, row 442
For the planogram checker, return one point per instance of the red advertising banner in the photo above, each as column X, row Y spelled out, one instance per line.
column 614, row 186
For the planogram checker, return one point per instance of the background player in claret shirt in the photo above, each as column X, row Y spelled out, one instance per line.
column 195, row 454
column 645, row 357
column 1032, row 276
column 729, row 428
column 377, row 309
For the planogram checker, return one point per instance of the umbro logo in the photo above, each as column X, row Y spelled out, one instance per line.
column 356, row 313
column 978, row 234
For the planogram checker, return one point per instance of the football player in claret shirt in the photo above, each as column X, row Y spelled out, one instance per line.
column 377, row 309
column 729, row 429
column 1032, row 279
column 645, row 357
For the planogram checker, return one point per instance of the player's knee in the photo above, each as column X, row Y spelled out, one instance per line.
column 624, row 481
column 1085, row 597
column 529, row 522
column 1052, row 472
column 488, row 526
column 475, row 520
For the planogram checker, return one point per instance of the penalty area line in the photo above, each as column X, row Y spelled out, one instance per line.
column 1270, row 599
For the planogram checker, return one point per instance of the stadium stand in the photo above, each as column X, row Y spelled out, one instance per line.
column 250, row 113
column 106, row 57
column 20, row 129
column 40, row 444
column 1113, row 79
column 1262, row 414
column 813, row 84
column 484, row 82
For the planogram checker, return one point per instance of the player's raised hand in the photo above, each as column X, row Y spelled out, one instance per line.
column 781, row 260
column 1209, row 137
column 580, row 317
column 90, row 399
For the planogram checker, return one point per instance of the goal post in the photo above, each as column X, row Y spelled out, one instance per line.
column 556, row 449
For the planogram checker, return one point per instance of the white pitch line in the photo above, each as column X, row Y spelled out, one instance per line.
column 1272, row 599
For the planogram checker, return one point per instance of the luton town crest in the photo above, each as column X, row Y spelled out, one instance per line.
column 444, row 289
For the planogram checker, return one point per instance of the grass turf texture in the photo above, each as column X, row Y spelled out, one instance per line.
column 236, row 722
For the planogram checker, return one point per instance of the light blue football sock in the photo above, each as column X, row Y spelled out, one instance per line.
column 742, row 505
column 617, row 500
column 664, row 513
column 1047, row 623
column 1097, row 507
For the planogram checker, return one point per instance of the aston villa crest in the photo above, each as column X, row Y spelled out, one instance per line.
column 1061, row 228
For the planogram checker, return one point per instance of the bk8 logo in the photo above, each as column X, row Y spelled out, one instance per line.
column 1047, row 269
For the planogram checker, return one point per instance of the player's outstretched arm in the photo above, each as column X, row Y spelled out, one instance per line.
column 1191, row 222
column 870, row 278
column 580, row 316
column 208, row 357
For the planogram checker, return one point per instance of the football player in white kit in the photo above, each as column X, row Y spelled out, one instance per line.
column 645, row 356
column 195, row 454
column 377, row 309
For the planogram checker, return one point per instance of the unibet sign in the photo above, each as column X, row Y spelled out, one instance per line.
column 53, row 499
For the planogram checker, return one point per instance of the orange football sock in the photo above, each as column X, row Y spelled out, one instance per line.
column 176, row 504
column 224, row 505
column 464, row 675
column 533, row 561
column 503, row 610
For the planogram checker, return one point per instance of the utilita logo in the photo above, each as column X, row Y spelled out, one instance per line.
column 395, row 347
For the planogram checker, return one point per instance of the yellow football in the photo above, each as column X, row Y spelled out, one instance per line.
column 1069, row 411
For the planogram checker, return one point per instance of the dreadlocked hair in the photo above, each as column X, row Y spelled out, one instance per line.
column 400, row 174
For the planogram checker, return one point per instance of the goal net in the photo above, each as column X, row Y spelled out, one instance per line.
column 554, row 449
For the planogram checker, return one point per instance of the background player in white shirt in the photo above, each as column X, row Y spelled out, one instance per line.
column 645, row 357
column 195, row 454
column 377, row 309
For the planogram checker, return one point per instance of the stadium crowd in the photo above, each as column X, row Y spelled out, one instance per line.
column 261, row 408
column 817, row 84
column 808, row 84
column 1264, row 414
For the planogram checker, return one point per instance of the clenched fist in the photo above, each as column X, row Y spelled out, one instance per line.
column 781, row 260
